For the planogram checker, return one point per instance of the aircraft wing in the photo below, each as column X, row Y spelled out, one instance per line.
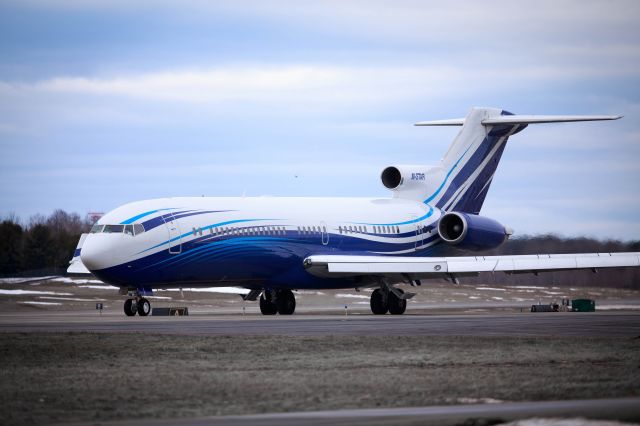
column 436, row 267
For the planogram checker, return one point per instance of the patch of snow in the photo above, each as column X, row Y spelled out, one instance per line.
column 228, row 290
column 41, row 303
column 318, row 293
column 99, row 287
column 23, row 292
column 497, row 298
column 490, row 288
column 70, row 299
column 76, row 281
column 354, row 296
column 535, row 287
column 25, row 280
column 474, row 297
column 616, row 307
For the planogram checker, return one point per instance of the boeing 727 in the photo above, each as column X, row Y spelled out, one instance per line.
column 272, row 245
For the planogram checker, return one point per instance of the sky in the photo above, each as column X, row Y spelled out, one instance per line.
column 108, row 102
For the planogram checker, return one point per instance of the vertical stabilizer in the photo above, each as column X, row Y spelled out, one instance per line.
column 471, row 160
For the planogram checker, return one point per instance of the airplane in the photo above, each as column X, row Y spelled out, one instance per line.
column 273, row 245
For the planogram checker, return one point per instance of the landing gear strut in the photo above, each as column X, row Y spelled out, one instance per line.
column 389, row 299
column 277, row 301
column 138, row 305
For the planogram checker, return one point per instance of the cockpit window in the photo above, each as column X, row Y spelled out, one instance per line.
column 113, row 229
column 138, row 228
column 96, row 229
column 128, row 229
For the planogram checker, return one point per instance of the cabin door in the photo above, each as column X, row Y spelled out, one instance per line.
column 325, row 234
column 173, row 229
column 419, row 235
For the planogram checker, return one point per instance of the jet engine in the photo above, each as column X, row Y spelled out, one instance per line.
column 470, row 231
column 413, row 182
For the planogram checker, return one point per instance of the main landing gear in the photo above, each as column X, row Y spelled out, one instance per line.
column 389, row 299
column 277, row 301
column 138, row 305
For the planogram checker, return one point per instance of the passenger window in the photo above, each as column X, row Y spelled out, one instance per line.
column 397, row 229
column 200, row 231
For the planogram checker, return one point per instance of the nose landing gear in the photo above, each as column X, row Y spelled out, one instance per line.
column 138, row 305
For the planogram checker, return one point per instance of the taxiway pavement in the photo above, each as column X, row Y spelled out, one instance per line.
column 612, row 324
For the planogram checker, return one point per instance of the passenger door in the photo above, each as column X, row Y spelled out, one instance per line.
column 325, row 234
column 175, row 239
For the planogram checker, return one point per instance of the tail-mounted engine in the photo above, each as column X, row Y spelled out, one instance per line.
column 473, row 232
column 413, row 182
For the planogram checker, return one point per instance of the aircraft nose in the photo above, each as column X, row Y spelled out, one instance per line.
column 93, row 253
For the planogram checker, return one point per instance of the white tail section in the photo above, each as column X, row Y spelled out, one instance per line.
column 469, row 164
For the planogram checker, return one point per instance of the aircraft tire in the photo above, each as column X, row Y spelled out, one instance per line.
column 267, row 307
column 378, row 304
column 129, row 308
column 144, row 307
column 286, row 302
column 397, row 306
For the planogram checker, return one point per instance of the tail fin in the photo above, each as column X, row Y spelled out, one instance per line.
column 472, row 158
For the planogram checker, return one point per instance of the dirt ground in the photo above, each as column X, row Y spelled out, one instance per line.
column 95, row 377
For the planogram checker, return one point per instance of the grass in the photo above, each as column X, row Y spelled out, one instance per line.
column 95, row 377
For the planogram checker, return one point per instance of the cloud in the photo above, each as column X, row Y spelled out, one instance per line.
column 285, row 83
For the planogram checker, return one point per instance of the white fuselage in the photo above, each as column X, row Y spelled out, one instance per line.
column 249, row 241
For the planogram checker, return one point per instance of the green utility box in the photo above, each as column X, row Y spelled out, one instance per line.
column 583, row 305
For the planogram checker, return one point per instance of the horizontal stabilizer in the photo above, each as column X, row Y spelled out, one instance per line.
column 450, row 122
column 534, row 119
column 522, row 119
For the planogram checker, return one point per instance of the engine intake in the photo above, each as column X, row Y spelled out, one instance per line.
column 471, row 232
column 391, row 177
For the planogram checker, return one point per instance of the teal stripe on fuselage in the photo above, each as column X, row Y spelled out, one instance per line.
column 215, row 225
column 408, row 222
column 141, row 215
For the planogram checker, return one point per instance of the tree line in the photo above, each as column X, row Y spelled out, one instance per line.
column 42, row 243
column 49, row 243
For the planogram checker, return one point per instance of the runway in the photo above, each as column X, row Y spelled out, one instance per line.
column 602, row 324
